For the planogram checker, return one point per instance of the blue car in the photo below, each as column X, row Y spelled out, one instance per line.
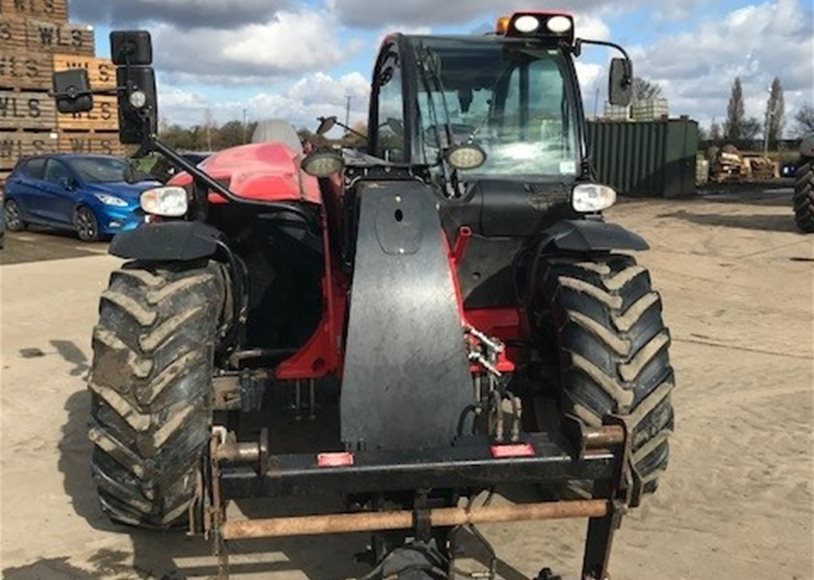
column 84, row 193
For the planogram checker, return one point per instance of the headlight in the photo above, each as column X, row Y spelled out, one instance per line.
column 170, row 201
column 465, row 156
column 590, row 197
column 110, row 199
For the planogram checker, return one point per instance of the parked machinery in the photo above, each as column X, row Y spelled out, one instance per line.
column 454, row 277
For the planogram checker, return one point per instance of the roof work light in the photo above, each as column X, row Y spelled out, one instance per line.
column 543, row 25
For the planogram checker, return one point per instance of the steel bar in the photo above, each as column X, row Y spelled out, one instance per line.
column 238, row 452
column 603, row 437
column 397, row 520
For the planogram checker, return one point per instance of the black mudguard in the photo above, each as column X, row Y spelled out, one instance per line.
column 166, row 241
column 590, row 236
column 406, row 379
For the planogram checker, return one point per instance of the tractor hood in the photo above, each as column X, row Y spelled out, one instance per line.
column 259, row 172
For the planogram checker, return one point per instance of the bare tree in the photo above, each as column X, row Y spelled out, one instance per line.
column 735, row 113
column 715, row 131
column 209, row 124
column 775, row 112
column 644, row 90
column 804, row 119
column 750, row 128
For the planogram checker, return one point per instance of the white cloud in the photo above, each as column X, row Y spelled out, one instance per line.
column 300, row 104
column 591, row 26
column 375, row 13
column 287, row 43
column 696, row 68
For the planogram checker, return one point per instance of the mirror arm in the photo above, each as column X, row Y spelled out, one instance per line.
column 351, row 130
column 578, row 50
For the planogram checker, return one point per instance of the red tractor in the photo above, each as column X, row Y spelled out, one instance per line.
column 446, row 304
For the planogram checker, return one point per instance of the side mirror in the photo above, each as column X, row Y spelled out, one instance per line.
column 620, row 87
column 131, row 47
column 138, row 103
column 72, row 91
column 325, row 125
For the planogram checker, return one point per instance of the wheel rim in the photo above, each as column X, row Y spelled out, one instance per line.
column 12, row 215
column 85, row 224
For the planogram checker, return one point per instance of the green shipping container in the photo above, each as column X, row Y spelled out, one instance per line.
column 652, row 159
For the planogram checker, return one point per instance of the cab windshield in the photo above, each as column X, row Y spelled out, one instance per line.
column 511, row 99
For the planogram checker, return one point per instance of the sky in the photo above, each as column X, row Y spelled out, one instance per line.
column 298, row 60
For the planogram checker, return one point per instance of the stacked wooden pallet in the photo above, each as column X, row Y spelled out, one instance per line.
column 36, row 39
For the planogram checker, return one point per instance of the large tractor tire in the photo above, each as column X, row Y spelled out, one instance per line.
column 804, row 197
column 602, row 321
column 153, row 353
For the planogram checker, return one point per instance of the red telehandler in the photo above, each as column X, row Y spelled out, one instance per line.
column 446, row 302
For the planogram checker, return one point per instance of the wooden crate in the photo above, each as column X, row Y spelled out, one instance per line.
column 104, row 116
column 13, row 33
column 26, row 110
column 44, row 36
column 90, row 142
column 25, row 70
column 54, row 10
column 101, row 71
column 16, row 144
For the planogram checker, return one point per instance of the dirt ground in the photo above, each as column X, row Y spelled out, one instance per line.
column 738, row 288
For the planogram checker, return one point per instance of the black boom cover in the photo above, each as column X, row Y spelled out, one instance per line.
column 406, row 379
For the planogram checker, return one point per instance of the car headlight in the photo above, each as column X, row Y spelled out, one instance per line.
column 591, row 197
column 108, row 199
column 169, row 201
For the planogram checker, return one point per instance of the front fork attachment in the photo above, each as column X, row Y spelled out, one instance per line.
column 208, row 510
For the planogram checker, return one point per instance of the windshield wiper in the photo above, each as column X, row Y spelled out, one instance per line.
column 431, row 81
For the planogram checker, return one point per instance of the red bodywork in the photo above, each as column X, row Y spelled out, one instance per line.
column 271, row 172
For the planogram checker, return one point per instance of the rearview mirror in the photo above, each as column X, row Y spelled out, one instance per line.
column 72, row 91
column 138, row 104
column 131, row 47
column 325, row 125
column 620, row 87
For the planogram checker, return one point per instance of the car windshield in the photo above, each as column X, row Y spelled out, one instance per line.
column 99, row 169
column 511, row 99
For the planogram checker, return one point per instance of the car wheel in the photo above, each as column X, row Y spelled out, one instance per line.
column 13, row 216
column 86, row 224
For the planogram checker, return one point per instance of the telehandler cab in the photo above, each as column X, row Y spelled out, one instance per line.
column 446, row 303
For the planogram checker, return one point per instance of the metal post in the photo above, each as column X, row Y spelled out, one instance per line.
column 244, row 126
